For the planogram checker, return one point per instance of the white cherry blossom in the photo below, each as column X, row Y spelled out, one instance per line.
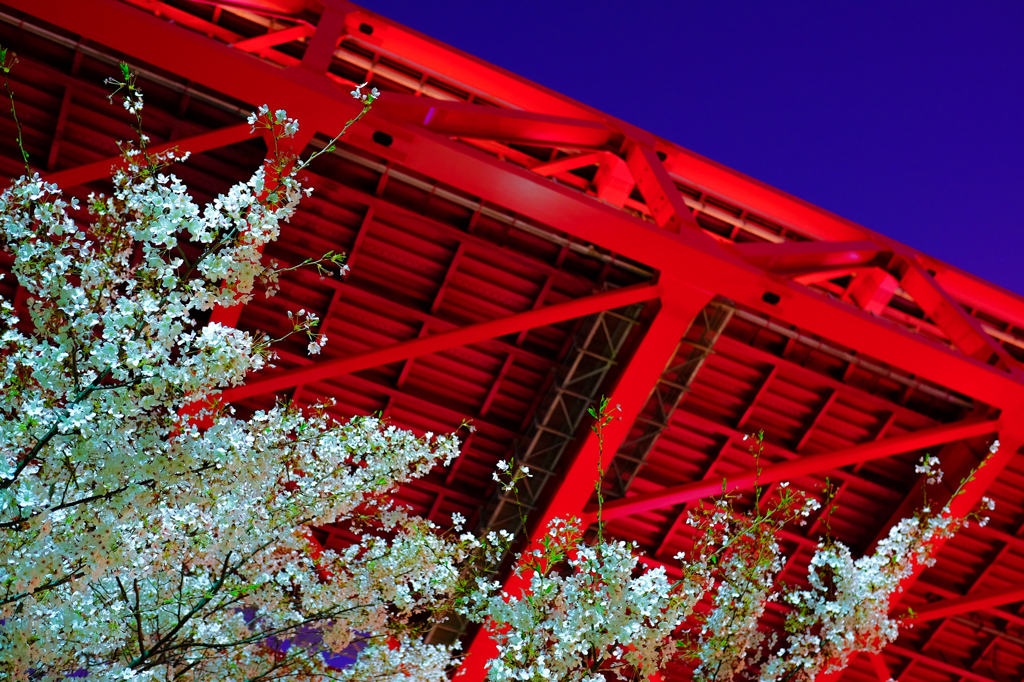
column 147, row 532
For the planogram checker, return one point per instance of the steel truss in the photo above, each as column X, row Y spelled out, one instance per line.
column 668, row 392
column 576, row 386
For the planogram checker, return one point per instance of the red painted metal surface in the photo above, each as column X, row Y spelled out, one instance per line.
column 99, row 170
column 797, row 467
column 712, row 268
column 975, row 602
column 484, row 215
column 626, row 398
column 348, row 364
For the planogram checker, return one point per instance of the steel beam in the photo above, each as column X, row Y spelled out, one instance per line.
column 819, row 415
column 964, row 331
column 630, row 393
column 796, row 468
column 99, row 170
column 62, row 118
column 320, row 48
column 980, row 600
column 663, row 198
column 260, row 43
column 613, row 181
column 477, row 76
column 791, row 256
column 880, row 668
column 439, row 342
column 708, row 269
column 994, row 611
column 977, row 293
column 462, row 119
column 471, row 73
column 569, row 163
column 669, row 391
column 872, row 289
column 276, row 8
column 945, row 667
column 237, row 75
column 574, row 388
column 351, row 296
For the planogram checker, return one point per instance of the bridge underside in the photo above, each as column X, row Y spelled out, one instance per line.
column 514, row 255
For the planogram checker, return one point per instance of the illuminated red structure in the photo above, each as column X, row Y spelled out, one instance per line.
column 516, row 254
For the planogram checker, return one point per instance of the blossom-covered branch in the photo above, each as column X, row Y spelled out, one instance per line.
column 590, row 610
column 147, row 531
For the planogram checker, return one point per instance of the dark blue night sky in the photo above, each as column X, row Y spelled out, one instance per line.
column 907, row 117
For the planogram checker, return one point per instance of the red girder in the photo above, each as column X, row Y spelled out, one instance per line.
column 665, row 202
column 993, row 611
column 62, row 118
column 473, row 333
column 281, row 8
column 963, row 330
column 977, row 293
column 260, row 43
column 99, row 170
column 822, row 411
column 326, row 106
column 462, row 119
column 945, row 667
column 822, row 225
column 479, row 76
column 880, row 668
column 505, row 367
column 466, row 70
column 872, row 289
column 648, row 361
column 803, row 466
column 571, row 163
column 354, row 295
column 629, row 394
column 976, row 601
column 613, row 181
column 706, row 268
column 800, row 256
column 746, row 191
column 320, row 49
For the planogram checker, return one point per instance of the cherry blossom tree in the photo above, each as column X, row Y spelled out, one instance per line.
column 148, row 532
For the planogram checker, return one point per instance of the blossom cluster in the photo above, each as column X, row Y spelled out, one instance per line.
column 845, row 608
column 586, row 611
column 146, row 531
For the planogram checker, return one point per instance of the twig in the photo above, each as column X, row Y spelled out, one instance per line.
column 7, row 66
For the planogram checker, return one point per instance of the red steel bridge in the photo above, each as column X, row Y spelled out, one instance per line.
column 515, row 254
